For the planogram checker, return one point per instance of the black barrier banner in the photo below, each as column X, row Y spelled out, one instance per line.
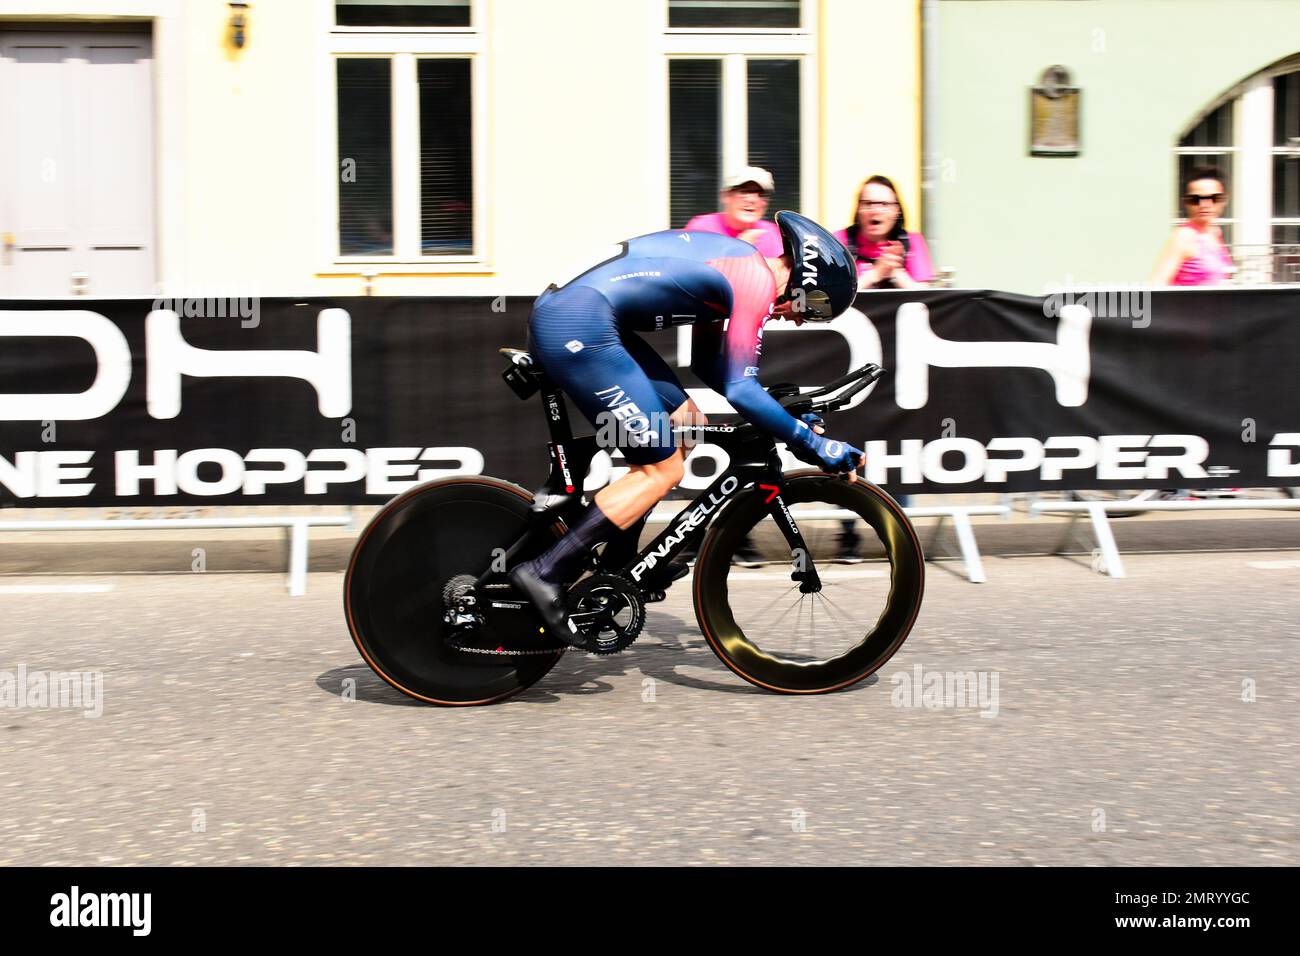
column 352, row 400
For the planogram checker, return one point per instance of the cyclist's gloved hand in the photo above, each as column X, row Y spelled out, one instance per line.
column 827, row 454
column 839, row 457
column 813, row 420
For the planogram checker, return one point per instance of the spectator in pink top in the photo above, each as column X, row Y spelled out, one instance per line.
column 1195, row 253
column 889, row 257
column 744, row 201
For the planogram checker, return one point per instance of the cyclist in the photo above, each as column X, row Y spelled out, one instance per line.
column 584, row 335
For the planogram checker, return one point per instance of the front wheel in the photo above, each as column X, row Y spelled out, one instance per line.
column 795, row 622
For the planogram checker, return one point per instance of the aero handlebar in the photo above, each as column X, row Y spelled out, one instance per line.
column 856, row 381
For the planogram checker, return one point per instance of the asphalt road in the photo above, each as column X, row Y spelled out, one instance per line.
column 1150, row 720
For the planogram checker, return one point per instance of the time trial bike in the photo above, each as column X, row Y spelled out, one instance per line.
column 431, row 609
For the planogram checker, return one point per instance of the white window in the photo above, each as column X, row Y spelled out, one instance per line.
column 1253, row 137
column 408, row 143
column 741, row 92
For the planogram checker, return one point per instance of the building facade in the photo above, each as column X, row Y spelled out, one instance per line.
column 431, row 147
column 1163, row 86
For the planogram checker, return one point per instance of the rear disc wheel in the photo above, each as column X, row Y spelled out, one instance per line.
column 416, row 555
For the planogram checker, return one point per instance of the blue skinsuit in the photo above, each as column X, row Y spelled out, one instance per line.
column 584, row 335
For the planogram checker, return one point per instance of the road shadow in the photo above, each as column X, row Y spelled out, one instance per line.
column 674, row 644
column 667, row 646
column 365, row 685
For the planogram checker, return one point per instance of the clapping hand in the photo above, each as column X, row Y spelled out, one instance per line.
column 890, row 258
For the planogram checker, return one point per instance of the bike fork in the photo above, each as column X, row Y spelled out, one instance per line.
column 804, row 572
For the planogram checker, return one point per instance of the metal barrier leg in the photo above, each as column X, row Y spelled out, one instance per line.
column 1113, row 565
column 298, row 559
column 970, row 552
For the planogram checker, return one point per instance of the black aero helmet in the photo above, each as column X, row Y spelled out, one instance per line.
column 823, row 275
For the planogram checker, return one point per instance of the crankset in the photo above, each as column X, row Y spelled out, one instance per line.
column 608, row 611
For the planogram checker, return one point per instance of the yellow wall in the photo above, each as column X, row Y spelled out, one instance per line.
column 871, row 102
column 576, row 142
column 578, row 129
column 250, row 162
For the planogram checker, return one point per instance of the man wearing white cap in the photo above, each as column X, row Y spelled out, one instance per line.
column 744, row 201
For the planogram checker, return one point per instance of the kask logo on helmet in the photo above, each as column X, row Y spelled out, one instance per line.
column 811, row 253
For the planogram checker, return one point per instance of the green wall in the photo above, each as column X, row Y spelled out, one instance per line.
column 1147, row 68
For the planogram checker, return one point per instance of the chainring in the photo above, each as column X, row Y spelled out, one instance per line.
column 609, row 612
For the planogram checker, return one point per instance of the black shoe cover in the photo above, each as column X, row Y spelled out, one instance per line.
column 548, row 599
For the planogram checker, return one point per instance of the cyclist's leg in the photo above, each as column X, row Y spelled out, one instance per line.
column 627, row 500
column 575, row 338
column 686, row 412
column 621, row 548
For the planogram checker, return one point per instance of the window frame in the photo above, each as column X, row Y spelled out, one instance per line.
column 1252, row 152
column 1290, row 67
column 735, row 47
column 404, row 47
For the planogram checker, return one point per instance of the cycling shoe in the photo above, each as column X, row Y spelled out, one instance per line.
column 549, row 600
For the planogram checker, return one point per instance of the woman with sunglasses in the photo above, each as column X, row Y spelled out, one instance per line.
column 888, row 256
column 1195, row 253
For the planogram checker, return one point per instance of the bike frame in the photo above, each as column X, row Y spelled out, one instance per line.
column 753, row 462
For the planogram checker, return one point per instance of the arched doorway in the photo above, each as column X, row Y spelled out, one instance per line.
column 1252, row 134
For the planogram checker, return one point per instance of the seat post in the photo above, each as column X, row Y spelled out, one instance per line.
column 557, row 412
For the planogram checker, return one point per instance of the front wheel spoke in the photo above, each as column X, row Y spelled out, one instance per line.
column 844, row 621
column 783, row 594
column 843, row 615
column 812, row 627
column 798, row 631
column 840, row 624
column 798, row 602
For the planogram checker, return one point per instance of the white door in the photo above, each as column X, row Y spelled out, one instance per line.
column 76, row 164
